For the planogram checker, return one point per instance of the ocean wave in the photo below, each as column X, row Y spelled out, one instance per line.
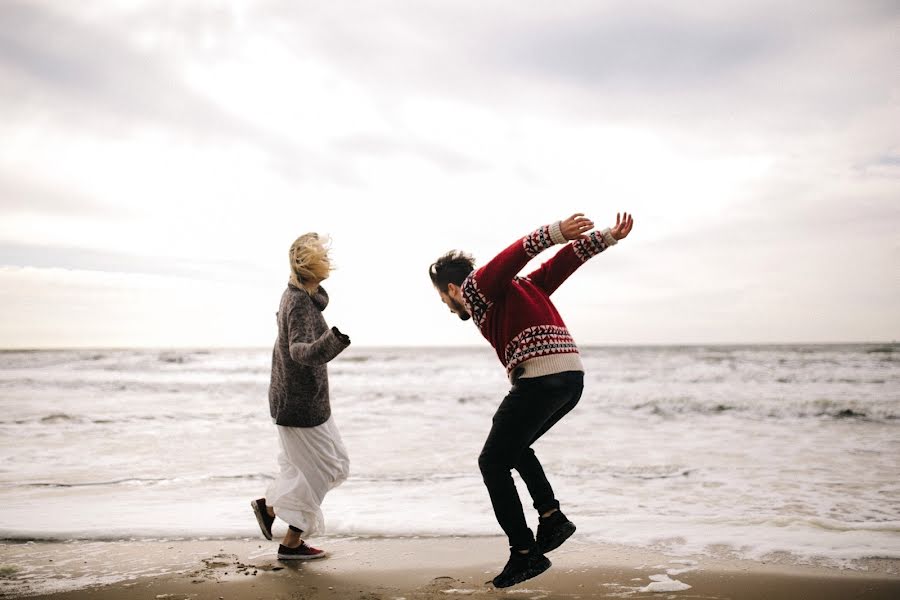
column 235, row 382
column 178, row 359
column 356, row 359
column 173, row 417
column 770, row 410
column 60, row 418
column 59, row 484
column 834, row 525
column 237, row 406
column 886, row 349
column 413, row 479
column 650, row 474
column 824, row 524
column 142, row 481
column 682, row 407
column 637, row 472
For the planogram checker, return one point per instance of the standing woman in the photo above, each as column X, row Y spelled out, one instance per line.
column 313, row 459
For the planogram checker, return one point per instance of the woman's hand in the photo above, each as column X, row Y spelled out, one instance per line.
column 341, row 336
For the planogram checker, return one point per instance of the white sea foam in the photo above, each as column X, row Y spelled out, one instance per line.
column 746, row 451
column 663, row 583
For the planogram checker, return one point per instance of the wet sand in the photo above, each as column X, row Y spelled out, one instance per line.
column 408, row 569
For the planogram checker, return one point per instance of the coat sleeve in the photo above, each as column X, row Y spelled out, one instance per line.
column 307, row 350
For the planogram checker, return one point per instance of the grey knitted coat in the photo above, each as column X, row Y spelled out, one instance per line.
column 298, row 392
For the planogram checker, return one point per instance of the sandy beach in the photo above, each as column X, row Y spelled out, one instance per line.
column 410, row 569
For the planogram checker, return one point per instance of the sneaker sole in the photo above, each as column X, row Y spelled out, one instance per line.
column 301, row 557
column 529, row 574
column 562, row 534
column 259, row 519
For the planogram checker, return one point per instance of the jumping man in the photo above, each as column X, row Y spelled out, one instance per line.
column 517, row 317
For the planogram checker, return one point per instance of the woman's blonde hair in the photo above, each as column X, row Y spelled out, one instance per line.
column 309, row 261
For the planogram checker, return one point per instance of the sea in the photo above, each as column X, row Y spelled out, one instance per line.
column 739, row 451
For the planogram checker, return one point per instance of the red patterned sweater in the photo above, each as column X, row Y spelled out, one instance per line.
column 516, row 314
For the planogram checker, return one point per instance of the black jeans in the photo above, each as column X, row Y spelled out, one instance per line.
column 532, row 406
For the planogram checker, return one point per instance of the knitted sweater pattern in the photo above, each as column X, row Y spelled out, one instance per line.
column 515, row 314
column 298, row 391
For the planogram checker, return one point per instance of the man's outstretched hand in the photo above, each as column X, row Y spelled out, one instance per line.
column 575, row 226
column 623, row 226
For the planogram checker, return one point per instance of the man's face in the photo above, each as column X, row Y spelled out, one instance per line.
column 452, row 298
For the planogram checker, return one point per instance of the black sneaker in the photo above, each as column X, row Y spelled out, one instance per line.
column 553, row 531
column 521, row 567
column 301, row 552
column 262, row 517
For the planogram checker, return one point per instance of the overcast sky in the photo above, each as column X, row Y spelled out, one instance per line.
column 157, row 159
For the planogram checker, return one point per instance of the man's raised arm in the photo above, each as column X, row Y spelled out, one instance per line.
column 550, row 275
column 493, row 278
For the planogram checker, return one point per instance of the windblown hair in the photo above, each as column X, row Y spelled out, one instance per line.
column 309, row 261
column 452, row 267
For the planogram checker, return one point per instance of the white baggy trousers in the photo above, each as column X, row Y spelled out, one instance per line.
column 313, row 461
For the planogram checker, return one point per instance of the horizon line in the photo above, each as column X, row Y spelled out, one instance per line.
column 447, row 346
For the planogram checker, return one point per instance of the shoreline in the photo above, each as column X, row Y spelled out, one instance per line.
column 409, row 568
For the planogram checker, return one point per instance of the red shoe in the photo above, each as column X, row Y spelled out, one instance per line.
column 301, row 552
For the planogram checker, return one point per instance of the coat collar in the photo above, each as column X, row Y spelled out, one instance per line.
column 319, row 298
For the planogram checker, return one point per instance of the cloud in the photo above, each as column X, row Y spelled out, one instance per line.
column 55, row 307
column 195, row 141
column 92, row 77
column 741, row 64
column 44, row 256
column 78, row 68
column 383, row 146
column 884, row 166
column 23, row 194
column 651, row 53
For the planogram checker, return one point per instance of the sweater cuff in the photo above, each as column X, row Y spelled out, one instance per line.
column 556, row 233
column 608, row 237
column 334, row 345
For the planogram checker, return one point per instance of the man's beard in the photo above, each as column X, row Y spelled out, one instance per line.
column 461, row 311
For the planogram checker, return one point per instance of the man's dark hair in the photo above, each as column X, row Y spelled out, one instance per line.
column 452, row 267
